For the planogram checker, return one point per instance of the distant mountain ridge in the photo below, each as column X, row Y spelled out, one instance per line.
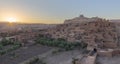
column 14, row 26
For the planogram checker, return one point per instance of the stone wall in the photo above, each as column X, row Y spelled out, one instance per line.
column 109, row 52
column 105, row 53
column 116, row 52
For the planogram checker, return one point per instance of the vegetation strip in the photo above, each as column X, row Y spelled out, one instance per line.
column 60, row 43
column 5, row 42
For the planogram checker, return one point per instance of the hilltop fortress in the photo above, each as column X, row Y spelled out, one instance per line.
column 99, row 34
column 96, row 32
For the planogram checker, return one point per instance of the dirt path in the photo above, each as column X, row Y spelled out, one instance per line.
column 62, row 57
column 23, row 54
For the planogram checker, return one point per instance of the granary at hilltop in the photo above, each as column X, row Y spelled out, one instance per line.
column 81, row 19
column 96, row 32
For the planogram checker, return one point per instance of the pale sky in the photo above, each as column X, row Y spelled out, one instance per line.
column 56, row 11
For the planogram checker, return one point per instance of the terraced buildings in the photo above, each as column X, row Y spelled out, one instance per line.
column 96, row 32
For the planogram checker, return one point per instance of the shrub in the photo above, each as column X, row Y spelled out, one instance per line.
column 85, row 51
column 15, row 45
column 60, row 43
column 74, row 60
column 83, row 45
column 61, row 39
column 36, row 61
column 5, row 42
column 2, row 52
column 1, row 46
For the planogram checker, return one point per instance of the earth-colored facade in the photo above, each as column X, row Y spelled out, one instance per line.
column 96, row 32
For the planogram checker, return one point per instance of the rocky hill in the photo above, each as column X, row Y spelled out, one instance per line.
column 97, row 33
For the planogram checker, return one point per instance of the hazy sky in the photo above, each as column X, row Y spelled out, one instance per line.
column 56, row 11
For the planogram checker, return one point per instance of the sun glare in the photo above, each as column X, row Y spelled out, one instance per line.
column 11, row 20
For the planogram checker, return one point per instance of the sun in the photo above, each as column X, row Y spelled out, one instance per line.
column 11, row 20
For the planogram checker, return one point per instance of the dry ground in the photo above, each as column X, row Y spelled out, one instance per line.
column 65, row 57
column 23, row 54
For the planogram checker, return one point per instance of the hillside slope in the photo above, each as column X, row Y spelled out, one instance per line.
column 98, row 33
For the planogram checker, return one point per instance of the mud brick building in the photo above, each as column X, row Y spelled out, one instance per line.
column 96, row 32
